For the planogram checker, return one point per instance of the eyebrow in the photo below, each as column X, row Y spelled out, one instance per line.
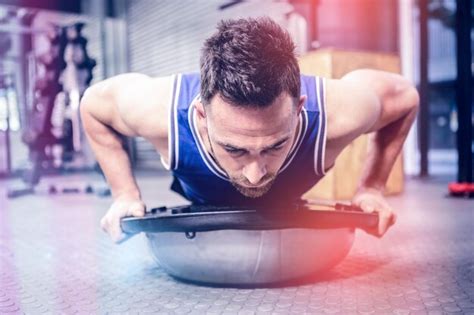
column 231, row 146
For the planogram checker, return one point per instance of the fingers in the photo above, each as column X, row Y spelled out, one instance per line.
column 137, row 209
column 110, row 223
column 369, row 201
column 386, row 217
column 367, row 207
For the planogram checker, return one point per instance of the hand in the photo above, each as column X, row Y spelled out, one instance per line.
column 371, row 200
column 123, row 206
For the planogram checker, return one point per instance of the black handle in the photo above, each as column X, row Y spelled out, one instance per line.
column 173, row 220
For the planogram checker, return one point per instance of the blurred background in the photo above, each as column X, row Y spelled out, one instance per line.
column 50, row 51
column 54, row 255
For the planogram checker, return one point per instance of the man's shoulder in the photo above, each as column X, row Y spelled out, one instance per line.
column 145, row 104
column 350, row 109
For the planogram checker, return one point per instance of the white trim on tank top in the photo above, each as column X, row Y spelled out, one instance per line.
column 172, row 116
column 321, row 135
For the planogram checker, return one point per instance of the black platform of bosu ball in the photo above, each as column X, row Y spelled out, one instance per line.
column 242, row 246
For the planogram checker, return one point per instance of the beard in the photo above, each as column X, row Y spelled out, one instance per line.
column 253, row 192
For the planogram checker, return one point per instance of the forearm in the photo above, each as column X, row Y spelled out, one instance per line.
column 109, row 151
column 385, row 144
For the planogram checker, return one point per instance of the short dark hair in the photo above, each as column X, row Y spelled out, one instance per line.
column 249, row 62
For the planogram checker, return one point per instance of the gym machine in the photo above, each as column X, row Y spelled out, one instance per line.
column 61, row 77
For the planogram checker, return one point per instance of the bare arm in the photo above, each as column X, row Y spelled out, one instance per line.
column 396, row 101
column 369, row 101
column 383, row 104
column 129, row 105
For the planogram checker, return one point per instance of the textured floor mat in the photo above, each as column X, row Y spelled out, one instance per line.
column 54, row 259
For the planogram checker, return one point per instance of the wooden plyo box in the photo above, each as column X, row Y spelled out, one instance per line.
column 340, row 183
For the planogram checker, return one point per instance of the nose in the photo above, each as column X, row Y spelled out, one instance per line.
column 255, row 171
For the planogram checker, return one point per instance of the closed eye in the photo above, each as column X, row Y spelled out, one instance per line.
column 234, row 151
column 238, row 152
column 274, row 149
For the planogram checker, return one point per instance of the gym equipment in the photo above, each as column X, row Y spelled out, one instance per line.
column 464, row 102
column 98, row 190
column 67, row 73
column 249, row 246
column 6, row 84
column 461, row 189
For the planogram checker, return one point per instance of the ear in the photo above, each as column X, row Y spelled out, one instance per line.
column 301, row 102
column 201, row 111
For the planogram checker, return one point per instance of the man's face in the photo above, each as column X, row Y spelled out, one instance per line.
column 251, row 144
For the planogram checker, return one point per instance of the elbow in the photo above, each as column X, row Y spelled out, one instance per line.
column 407, row 94
column 83, row 107
column 86, row 105
column 413, row 99
column 411, row 103
column 89, row 100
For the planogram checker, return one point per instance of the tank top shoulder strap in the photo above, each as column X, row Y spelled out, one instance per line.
column 185, row 89
column 314, row 87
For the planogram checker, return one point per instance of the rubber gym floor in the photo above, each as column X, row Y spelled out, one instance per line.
column 54, row 259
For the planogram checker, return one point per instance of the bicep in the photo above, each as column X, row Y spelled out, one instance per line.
column 132, row 104
column 352, row 110
column 395, row 94
column 143, row 106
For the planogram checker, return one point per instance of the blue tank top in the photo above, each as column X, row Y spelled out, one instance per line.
column 200, row 179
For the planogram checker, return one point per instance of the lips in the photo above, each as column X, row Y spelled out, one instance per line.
column 259, row 186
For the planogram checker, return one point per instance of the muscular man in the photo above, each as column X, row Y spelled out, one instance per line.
column 249, row 128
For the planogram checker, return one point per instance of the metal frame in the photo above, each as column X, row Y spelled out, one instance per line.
column 6, row 76
column 423, row 116
column 464, row 84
